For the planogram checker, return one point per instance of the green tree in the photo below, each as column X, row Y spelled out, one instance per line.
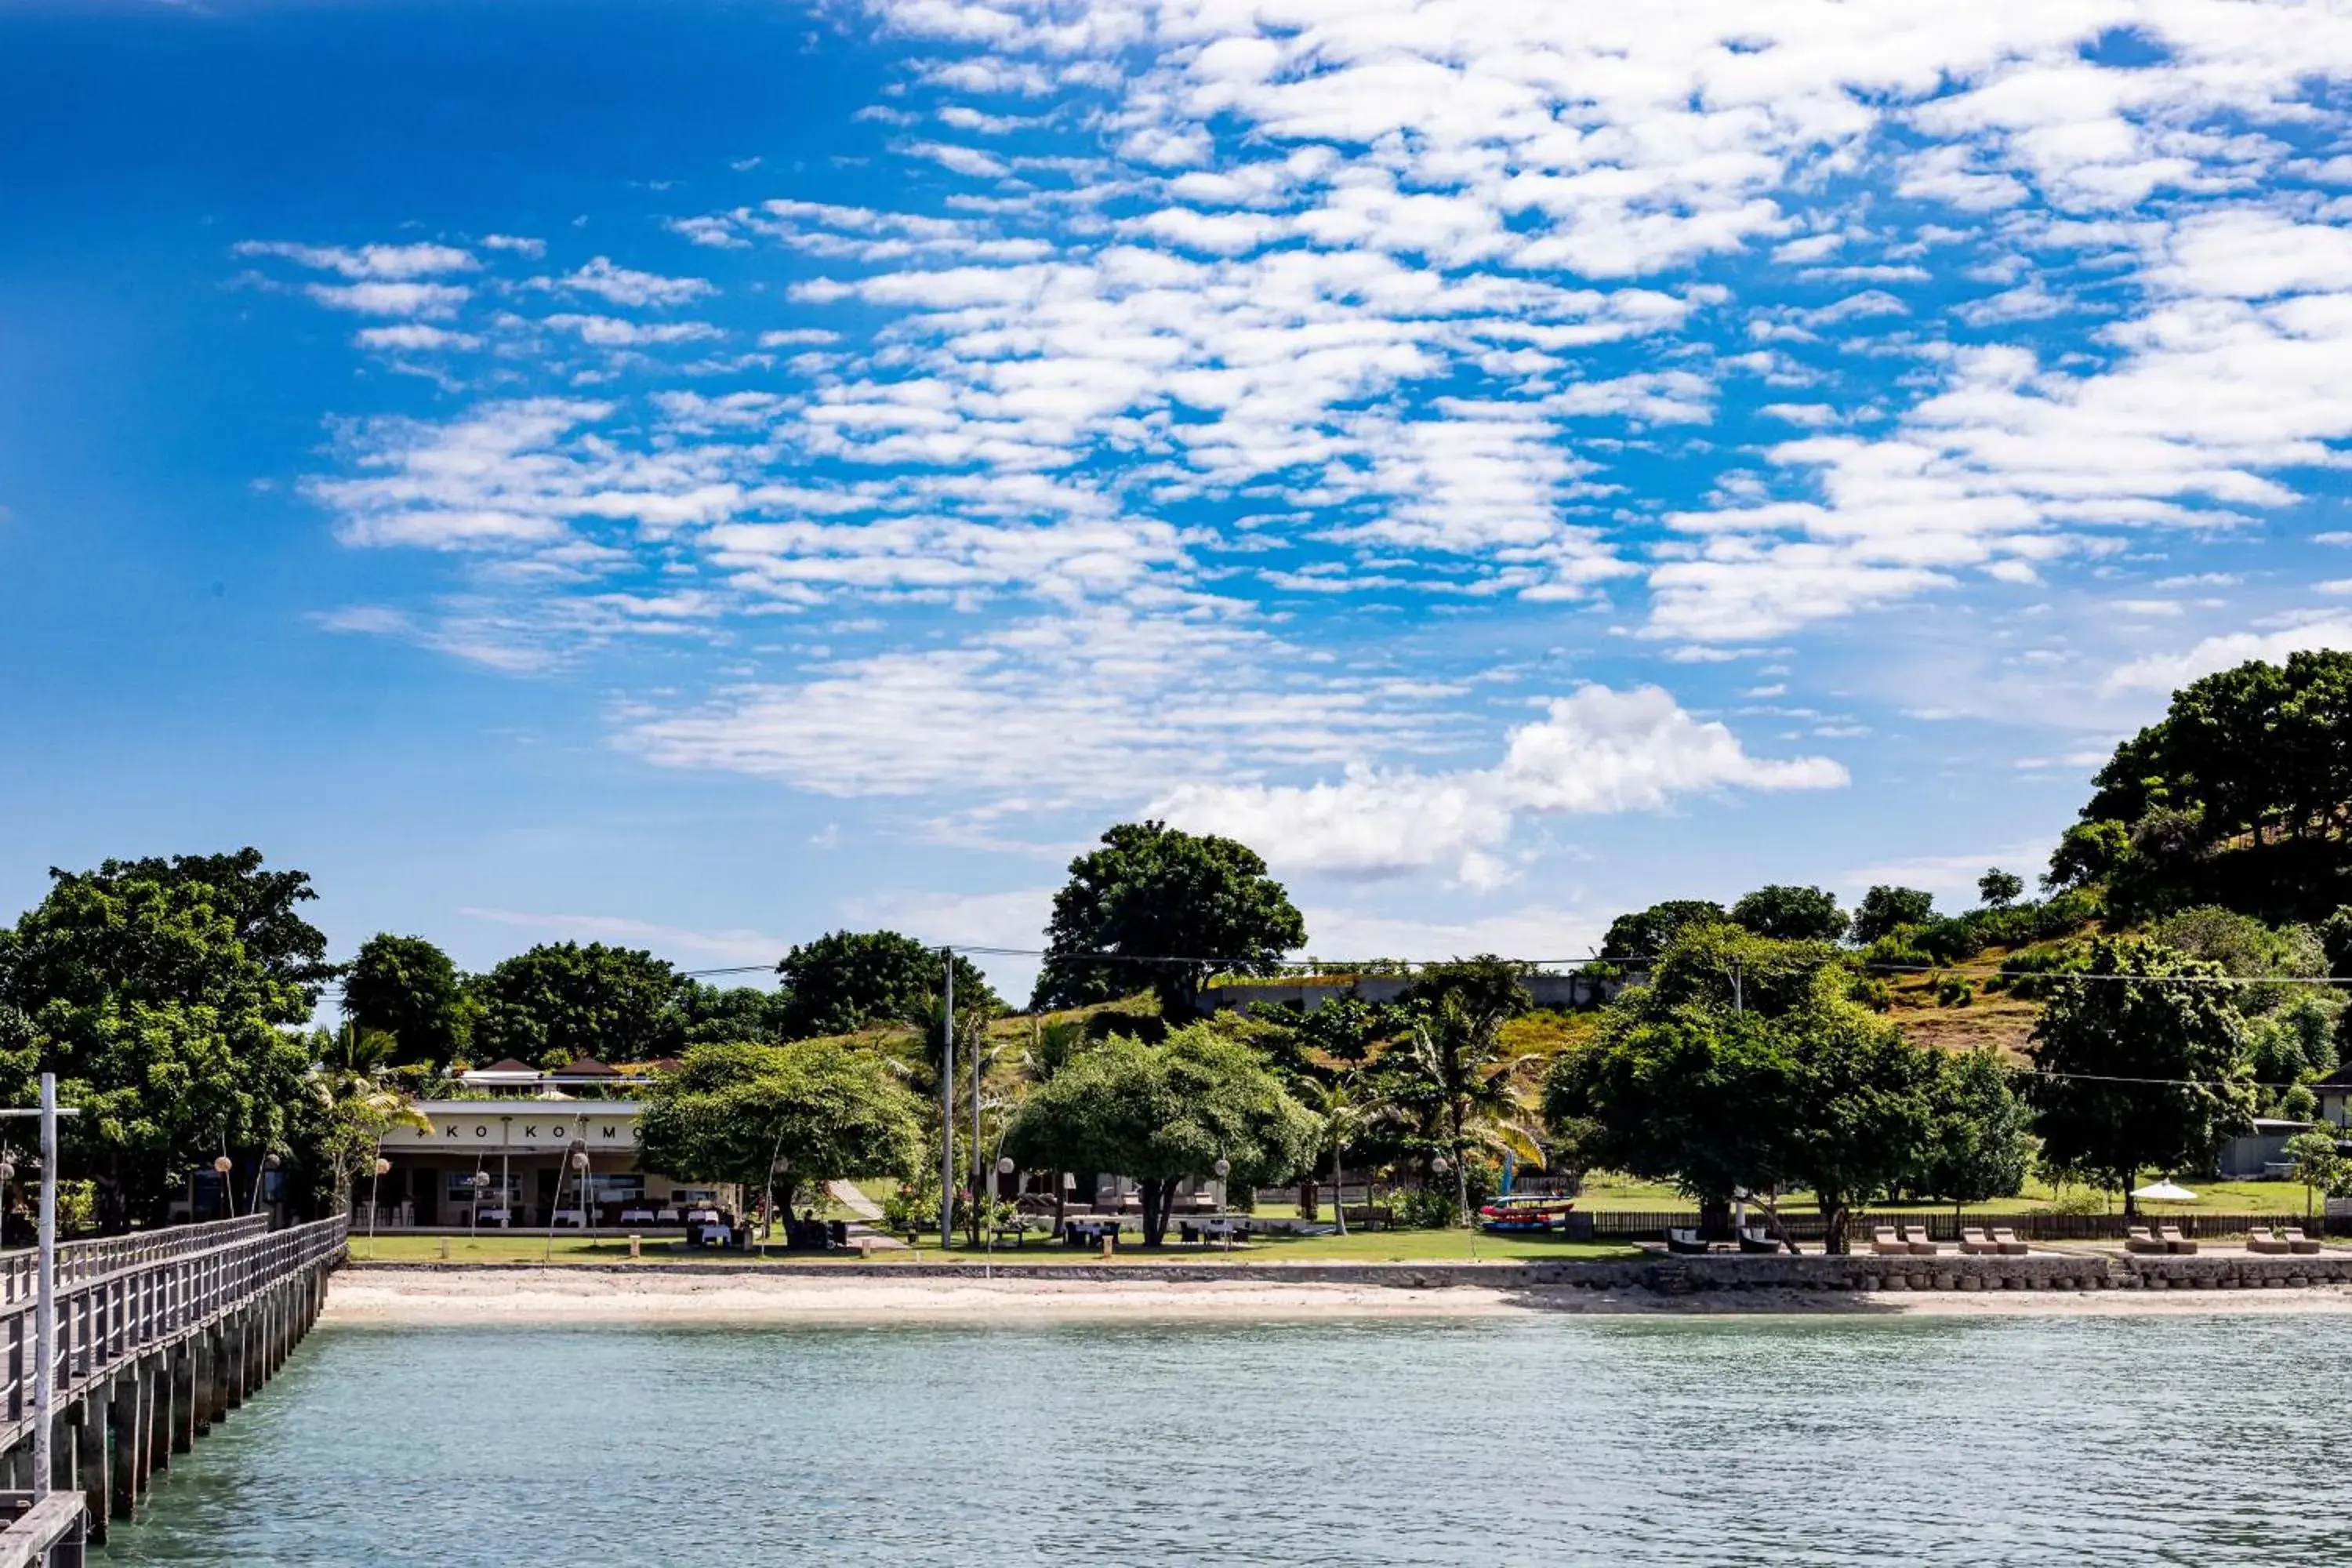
column 715, row 1015
column 1645, row 934
column 560, row 1002
column 1478, row 1084
column 162, row 994
column 2317, row 1164
column 732, row 1111
column 1790, row 1087
column 1978, row 1146
column 1175, row 906
column 406, row 987
column 1885, row 908
column 1791, row 914
column 2134, row 1069
column 846, row 981
column 350, row 1103
column 1163, row 1114
column 1999, row 889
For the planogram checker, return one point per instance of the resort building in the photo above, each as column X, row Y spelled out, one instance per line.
column 501, row 1160
column 2334, row 1093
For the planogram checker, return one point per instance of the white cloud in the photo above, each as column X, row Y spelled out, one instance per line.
column 682, row 945
column 624, row 286
column 1595, row 753
column 431, row 301
column 2167, row 672
column 414, row 337
column 378, row 262
column 612, row 332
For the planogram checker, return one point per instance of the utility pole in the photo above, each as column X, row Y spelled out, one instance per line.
column 979, row 1213
column 947, row 1101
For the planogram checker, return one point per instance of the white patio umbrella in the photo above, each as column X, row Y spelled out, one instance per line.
column 2164, row 1192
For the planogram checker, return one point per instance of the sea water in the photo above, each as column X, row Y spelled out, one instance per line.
column 2210, row 1440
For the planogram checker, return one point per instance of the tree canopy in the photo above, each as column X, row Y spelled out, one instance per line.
column 560, row 1001
column 2133, row 1071
column 1153, row 892
column 1791, row 914
column 1786, row 1086
column 846, row 981
column 162, row 994
column 730, row 1110
column 1884, row 910
column 1165, row 1113
column 1645, row 934
column 2241, row 796
column 405, row 988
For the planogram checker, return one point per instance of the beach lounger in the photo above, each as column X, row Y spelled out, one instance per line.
column 2139, row 1238
column 2006, row 1239
column 1755, row 1240
column 1978, row 1243
column 2266, row 1241
column 2174, row 1241
column 1684, row 1241
column 1886, row 1244
column 2298, row 1242
column 1917, row 1241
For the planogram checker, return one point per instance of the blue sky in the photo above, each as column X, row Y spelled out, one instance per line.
column 703, row 475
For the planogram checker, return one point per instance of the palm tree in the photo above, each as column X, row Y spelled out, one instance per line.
column 357, row 1104
column 1481, row 1084
column 1346, row 1106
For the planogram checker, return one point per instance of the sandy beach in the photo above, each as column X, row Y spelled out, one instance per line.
column 581, row 1295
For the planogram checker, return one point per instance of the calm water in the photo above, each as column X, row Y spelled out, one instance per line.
column 1556, row 1440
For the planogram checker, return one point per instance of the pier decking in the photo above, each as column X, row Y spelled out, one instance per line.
column 159, row 1335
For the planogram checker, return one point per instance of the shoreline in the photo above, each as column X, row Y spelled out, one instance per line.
column 492, row 1295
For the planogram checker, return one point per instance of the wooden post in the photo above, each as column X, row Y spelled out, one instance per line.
column 161, row 1422
column 96, row 1481
column 125, row 1454
column 184, row 1395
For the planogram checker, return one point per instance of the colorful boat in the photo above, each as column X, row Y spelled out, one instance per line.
column 1520, row 1214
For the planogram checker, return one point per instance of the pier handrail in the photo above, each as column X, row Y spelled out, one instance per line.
column 119, row 1296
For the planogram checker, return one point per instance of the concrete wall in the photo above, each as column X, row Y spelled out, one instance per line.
column 1561, row 991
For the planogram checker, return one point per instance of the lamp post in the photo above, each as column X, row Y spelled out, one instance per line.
column 269, row 1163
column 481, row 1183
column 1004, row 1167
column 578, row 1163
column 375, row 1195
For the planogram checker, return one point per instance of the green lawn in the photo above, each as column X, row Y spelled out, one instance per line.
column 1374, row 1246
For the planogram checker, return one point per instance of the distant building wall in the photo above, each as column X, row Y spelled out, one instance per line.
column 1563, row 992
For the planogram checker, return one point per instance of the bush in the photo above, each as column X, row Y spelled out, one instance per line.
column 1954, row 992
column 1426, row 1209
column 914, row 1207
column 1896, row 952
column 2027, row 975
column 1871, row 992
column 2066, row 914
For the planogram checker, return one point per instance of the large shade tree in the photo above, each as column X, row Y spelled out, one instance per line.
column 1162, row 1114
column 803, row 1113
column 406, row 988
column 1742, row 1068
column 1886, row 908
column 1642, row 934
column 1791, row 914
column 846, row 980
column 561, row 1001
column 1171, row 908
column 164, row 993
column 2140, row 1062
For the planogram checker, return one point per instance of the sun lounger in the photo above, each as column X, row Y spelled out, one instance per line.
column 2139, row 1238
column 1684, row 1241
column 1755, row 1240
column 1978, row 1243
column 1916, row 1241
column 2298, row 1242
column 2174, row 1241
column 2266, row 1241
column 2006, row 1239
column 1886, row 1244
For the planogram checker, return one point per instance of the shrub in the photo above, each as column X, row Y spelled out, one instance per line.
column 1871, row 992
column 1952, row 991
column 1425, row 1208
column 914, row 1207
column 1949, row 941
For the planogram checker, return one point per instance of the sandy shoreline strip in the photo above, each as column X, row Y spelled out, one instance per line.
column 492, row 1295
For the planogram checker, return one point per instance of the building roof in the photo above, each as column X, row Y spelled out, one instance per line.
column 509, row 1065
column 585, row 1066
column 2340, row 1079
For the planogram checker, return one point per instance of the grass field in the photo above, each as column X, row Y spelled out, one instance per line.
column 1377, row 1247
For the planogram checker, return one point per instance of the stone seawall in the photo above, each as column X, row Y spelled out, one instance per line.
column 1666, row 1275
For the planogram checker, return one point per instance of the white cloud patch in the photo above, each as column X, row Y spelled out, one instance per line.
column 2167, row 672
column 1596, row 751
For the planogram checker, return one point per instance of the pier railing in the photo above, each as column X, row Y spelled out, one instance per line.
column 120, row 1296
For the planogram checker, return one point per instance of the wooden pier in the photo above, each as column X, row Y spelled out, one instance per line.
column 160, row 1335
